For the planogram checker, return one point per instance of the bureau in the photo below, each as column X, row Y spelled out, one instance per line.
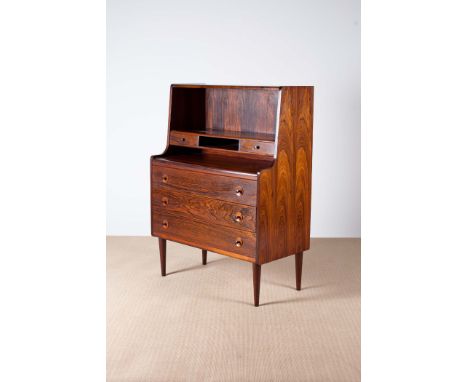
column 235, row 177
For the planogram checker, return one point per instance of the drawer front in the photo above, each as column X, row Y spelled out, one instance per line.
column 220, row 187
column 213, row 211
column 203, row 235
column 181, row 139
column 257, row 147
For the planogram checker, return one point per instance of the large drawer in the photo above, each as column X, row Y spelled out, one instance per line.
column 216, row 238
column 213, row 211
column 236, row 190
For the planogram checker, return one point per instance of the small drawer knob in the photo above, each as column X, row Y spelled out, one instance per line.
column 164, row 178
column 239, row 191
column 238, row 217
column 165, row 224
column 239, row 242
column 165, row 201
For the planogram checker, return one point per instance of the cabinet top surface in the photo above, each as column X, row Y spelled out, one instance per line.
column 246, row 87
column 225, row 86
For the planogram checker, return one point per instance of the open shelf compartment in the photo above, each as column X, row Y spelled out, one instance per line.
column 242, row 120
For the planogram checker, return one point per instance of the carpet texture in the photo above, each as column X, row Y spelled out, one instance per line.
column 199, row 324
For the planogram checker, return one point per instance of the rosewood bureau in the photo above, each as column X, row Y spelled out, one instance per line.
column 235, row 177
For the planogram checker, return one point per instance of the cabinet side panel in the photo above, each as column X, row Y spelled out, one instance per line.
column 303, row 170
column 285, row 189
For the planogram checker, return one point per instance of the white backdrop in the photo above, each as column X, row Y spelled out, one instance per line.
column 151, row 44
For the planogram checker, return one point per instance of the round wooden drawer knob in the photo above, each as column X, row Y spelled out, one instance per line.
column 165, row 201
column 164, row 178
column 165, row 224
column 239, row 191
column 238, row 217
column 239, row 242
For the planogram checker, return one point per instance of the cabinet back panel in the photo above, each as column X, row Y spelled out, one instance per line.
column 214, row 109
column 241, row 110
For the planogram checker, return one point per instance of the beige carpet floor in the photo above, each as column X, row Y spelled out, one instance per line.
column 198, row 323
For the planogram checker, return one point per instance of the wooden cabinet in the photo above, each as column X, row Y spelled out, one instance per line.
column 235, row 177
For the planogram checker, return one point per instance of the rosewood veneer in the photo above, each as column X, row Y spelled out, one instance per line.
column 235, row 177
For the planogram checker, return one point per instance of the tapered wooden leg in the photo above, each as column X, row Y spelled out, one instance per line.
column 298, row 270
column 257, row 269
column 204, row 252
column 162, row 255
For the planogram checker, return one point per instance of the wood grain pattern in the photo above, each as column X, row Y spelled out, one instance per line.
column 198, row 234
column 257, row 147
column 181, row 138
column 229, row 109
column 240, row 191
column 212, row 211
column 214, row 164
column 245, row 134
column 236, row 153
column 239, row 110
column 285, row 188
column 248, row 145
